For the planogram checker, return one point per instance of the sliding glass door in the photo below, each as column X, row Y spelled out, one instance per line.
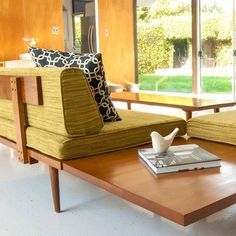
column 168, row 30
column 217, row 39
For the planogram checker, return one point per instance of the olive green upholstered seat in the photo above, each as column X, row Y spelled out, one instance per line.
column 134, row 129
column 68, row 125
column 219, row 127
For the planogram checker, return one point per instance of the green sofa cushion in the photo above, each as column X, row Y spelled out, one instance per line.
column 7, row 129
column 68, row 106
column 134, row 129
column 219, row 127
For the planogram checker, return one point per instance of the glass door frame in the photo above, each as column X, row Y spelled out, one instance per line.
column 197, row 50
column 234, row 51
column 196, row 76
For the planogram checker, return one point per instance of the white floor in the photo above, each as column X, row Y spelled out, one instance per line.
column 26, row 208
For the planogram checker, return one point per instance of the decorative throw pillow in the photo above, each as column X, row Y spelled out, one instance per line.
column 92, row 66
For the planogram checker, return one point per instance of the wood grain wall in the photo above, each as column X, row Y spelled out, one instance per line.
column 29, row 18
column 116, row 36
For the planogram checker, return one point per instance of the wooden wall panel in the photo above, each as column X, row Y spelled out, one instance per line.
column 27, row 18
column 117, row 47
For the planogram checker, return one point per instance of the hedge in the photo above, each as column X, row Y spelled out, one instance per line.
column 153, row 49
column 156, row 37
column 213, row 26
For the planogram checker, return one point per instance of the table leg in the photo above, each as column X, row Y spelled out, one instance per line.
column 216, row 110
column 188, row 115
column 129, row 105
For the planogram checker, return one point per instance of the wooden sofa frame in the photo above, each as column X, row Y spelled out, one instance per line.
column 22, row 90
column 28, row 90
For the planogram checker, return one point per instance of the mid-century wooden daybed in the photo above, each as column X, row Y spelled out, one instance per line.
column 50, row 115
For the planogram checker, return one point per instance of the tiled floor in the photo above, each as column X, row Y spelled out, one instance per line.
column 26, row 208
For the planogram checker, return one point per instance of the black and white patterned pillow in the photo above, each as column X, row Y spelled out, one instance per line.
column 92, row 66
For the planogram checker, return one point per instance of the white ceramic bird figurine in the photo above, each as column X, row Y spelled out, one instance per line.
column 161, row 144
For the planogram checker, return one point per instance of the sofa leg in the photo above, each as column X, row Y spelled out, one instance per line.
column 55, row 188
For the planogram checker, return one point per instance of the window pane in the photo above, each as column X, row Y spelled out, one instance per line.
column 84, row 26
column 164, row 45
column 216, row 44
column 77, row 32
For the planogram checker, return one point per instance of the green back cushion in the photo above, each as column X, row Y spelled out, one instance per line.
column 92, row 66
column 68, row 106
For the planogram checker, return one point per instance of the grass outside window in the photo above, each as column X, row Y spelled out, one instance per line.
column 183, row 84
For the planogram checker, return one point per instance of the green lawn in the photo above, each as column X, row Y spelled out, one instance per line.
column 178, row 83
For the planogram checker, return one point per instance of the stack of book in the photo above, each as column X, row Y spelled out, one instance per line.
column 179, row 158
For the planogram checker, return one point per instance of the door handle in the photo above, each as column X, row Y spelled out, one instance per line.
column 89, row 35
column 91, row 39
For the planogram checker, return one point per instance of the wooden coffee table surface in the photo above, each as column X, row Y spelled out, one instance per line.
column 183, row 197
column 187, row 104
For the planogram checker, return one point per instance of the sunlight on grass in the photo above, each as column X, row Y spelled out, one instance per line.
column 183, row 84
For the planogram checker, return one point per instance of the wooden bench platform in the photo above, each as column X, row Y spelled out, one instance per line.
column 183, row 197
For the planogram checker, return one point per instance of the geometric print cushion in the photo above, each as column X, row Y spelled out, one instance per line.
column 92, row 66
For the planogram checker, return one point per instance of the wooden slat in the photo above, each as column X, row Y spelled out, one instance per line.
column 49, row 160
column 21, row 89
column 31, row 89
column 18, row 108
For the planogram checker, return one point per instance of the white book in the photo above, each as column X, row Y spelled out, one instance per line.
column 179, row 158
